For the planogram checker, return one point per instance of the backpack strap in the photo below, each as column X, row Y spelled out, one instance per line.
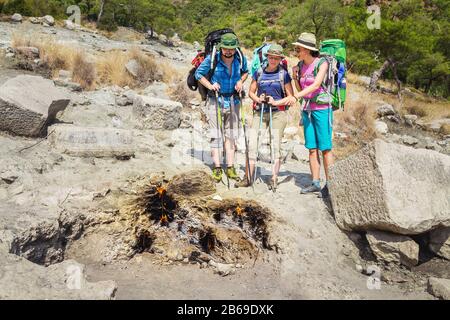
column 299, row 71
column 241, row 59
column 260, row 54
column 281, row 76
column 259, row 73
column 214, row 62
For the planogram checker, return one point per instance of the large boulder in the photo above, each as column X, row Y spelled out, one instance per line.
column 439, row 242
column 393, row 248
column 92, row 142
column 28, row 104
column 391, row 187
column 156, row 114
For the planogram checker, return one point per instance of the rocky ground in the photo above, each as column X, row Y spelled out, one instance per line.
column 74, row 217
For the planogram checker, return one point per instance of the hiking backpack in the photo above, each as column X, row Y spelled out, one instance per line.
column 335, row 84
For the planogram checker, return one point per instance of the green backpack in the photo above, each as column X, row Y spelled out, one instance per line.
column 335, row 84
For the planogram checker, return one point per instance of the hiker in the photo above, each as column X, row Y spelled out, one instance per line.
column 317, row 118
column 225, row 84
column 270, row 88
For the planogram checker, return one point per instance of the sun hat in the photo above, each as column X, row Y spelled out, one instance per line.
column 275, row 50
column 306, row 40
column 229, row 41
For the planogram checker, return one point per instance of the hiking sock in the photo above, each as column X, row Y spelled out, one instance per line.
column 316, row 183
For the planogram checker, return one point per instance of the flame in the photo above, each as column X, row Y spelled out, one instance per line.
column 161, row 191
column 239, row 211
column 164, row 219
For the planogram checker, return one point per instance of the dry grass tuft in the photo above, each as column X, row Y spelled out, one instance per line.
column 83, row 71
column 416, row 109
column 181, row 93
column 358, row 123
column 54, row 56
column 445, row 129
column 111, row 69
column 148, row 69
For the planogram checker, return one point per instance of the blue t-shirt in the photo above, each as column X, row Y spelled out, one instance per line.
column 270, row 83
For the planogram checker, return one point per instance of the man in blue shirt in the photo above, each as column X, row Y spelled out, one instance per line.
column 227, row 80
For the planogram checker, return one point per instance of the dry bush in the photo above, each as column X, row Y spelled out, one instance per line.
column 111, row 69
column 83, row 71
column 181, row 93
column 357, row 121
column 126, row 35
column 148, row 69
column 170, row 74
column 5, row 18
column 54, row 56
column 445, row 129
column 418, row 110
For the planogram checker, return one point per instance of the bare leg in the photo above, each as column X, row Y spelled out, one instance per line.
column 229, row 147
column 215, row 155
column 276, row 169
column 328, row 160
column 314, row 163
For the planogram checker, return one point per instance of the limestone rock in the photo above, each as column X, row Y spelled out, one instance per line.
column 440, row 288
column 92, row 142
column 390, row 187
column 132, row 67
column 410, row 119
column 156, row 114
column 49, row 20
column 29, row 114
column 394, row 248
column 381, row 127
column 22, row 279
column 385, row 110
column 16, row 17
column 440, row 242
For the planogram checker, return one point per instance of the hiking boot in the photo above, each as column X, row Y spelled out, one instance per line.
column 312, row 188
column 217, row 174
column 244, row 183
column 324, row 193
column 273, row 184
column 232, row 174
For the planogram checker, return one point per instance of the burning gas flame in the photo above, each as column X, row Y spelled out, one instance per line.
column 164, row 219
column 239, row 211
column 161, row 191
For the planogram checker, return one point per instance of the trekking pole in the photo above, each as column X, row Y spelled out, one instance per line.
column 220, row 124
column 270, row 135
column 247, row 159
column 257, row 141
